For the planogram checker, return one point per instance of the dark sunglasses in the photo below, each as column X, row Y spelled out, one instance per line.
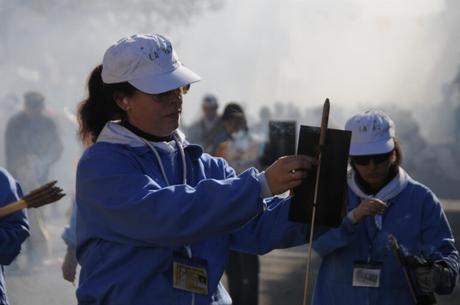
column 166, row 96
column 365, row 160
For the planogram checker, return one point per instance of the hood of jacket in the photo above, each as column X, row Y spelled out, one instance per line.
column 115, row 133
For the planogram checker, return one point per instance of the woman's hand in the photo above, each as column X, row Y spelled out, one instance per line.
column 288, row 172
column 369, row 207
column 69, row 265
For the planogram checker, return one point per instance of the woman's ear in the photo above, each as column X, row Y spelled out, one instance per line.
column 123, row 103
column 393, row 156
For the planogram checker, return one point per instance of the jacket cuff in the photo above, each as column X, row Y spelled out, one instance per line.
column 265, row 191
column 351, row 217
column 348, row 226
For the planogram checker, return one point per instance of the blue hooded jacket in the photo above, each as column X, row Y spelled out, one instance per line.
column 130, row 221
column 415, row 217
column 14, row 228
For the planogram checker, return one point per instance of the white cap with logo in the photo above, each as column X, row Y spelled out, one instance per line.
column 373, row 133
column 148, row 62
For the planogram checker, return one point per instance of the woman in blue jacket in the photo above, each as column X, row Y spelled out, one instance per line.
column 14, row 228
column 156, row 216
column 358, row 266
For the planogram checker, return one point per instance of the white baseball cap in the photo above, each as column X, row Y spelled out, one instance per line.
column 373, row 133
column 148, row 62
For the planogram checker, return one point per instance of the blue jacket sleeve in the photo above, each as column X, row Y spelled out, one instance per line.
column 116, row 201
column 437, row 239
column 270, row 230
column 14, row 228
column 335, row 238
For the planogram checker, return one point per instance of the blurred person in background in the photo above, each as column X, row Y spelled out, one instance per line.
column 156, row 216
column 260, row 129
column 32, row 145
column 358, row 266
column 208, row 131
column 14, row 228
column 241, row 152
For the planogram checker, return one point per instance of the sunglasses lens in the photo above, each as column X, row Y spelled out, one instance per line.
column 361, row 160
column 365, row 160
column 381, row 158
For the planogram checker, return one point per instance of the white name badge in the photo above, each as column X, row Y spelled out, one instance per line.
column 366, row 275
column 190, row 274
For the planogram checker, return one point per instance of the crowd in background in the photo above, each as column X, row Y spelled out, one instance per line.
column 48, row 136
column 38, row 140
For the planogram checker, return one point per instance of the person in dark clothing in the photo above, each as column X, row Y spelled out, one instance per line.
column 208, row 132
column 32, row 145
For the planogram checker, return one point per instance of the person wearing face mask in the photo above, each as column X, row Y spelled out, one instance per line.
column 156, row 217
column 358, row 266
column 241, row 152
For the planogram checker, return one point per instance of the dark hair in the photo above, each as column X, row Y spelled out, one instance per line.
column 235, row 113
column 398, row 151
column 100, row 106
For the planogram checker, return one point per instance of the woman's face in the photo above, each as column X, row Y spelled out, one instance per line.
column 234, row 124
column 230, row 126
column 376, row 170
column 156, row 114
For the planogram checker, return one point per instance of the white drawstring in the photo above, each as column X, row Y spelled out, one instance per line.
column 157, row 155
column 163, row 172
column 184, row 164
column 184, row 179
column 160, row 163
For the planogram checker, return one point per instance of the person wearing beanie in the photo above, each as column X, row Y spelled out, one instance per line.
column 358, row 266
column 157, row 217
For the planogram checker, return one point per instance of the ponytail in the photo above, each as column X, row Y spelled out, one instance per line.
column 100, row 106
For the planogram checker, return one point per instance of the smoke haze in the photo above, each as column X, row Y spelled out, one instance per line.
column 289, row 55
column 356, row 52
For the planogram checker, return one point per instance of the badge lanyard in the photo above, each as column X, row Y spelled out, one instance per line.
column 370, row 238
column 367, row 273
